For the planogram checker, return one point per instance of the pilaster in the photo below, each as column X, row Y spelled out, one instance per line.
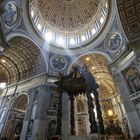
column 43, row 103
column 65, row 116
column 132, row 116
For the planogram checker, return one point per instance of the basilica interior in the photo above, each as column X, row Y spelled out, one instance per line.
column 69, row 69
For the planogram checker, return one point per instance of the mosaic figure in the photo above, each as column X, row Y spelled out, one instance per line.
column 114, row 42
column 58, row 63
column 10, row 15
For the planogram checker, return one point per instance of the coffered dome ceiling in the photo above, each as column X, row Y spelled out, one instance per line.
column 68, row 14
column 68, row 22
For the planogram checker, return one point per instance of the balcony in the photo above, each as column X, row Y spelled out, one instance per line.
column 135, row 96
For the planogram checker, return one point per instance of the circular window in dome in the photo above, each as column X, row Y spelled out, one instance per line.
column 68, row 23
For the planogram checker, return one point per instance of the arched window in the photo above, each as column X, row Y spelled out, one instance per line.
column 14, row 123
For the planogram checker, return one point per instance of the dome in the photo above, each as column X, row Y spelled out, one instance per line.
column 68, row 14
column 68, row 23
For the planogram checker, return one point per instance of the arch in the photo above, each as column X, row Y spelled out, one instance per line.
column 97, row 63
column 23, row 59
column 89, row 53
column 15, row 118
column 20, row 102
column 18, row 34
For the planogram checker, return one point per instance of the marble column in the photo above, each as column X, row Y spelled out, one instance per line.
column 59, row 114
column 65, row 116
column 133, row 119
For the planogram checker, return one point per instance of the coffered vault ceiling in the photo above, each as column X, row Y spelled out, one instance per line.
column 68, row 23
column 98, row 66
column 22, row 60
column 129, row 12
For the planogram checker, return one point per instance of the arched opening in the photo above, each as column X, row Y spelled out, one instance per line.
column 22, row 60
column 97, row 65
column 14, row 123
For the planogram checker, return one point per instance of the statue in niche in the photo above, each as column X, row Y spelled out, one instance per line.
column 133, row 79
column 18, row 129
column 10, row 15
column 51, row 129
column 127, row 131
column 30, row 127
column 114, row 42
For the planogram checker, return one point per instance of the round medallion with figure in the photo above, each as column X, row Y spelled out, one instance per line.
column 114, row 41
column 11, row 14
column 58, row 63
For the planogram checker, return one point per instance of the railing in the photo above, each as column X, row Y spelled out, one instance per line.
column 135, row 96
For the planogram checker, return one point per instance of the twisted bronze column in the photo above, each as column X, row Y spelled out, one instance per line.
column 93, row 124
column 72, row 120
column 99, row 113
